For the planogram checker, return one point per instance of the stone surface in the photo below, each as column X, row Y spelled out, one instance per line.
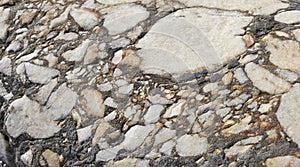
column 61, row 102
column 262, row 7
column 78, row 53
column 153, row 113
column 284, row 54
column 5, row 66
column 118, row 19
column 86, row 18
column 40, row 74
column 3, row 149
column 26, row 116
column 179, row 45
column 4, row 15
column 135, row 136
column 91, row 101
column 51, row 158
column 289, row 161
column 288, row 17
column 288, row 113
column 265, row 80
column 200, row 145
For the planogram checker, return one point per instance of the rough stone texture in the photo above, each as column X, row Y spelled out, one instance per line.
column 61, row 102
column 85, row 18
column 121, row 18
column 3, row 149
column 26, row 116
column 288, row 17
column 284, row 54
column 135, row 136
column 4, row 14
column 288, row 113
column 78, row 53
column 52, row 158
column 153, row 113
column 257, row 6
column 91, row 101
column 40, row 74
column 289, row 161
column 265, row 80
column 179, row 44
column 5, row 66
column 199, row 144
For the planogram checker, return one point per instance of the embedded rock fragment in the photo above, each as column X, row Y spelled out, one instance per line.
column 284, row 53
column 288, row 161
column 288, row 113
column 288, row 17
column 4, row 14
column 121, row 18
column 257, row 7
column 26, row 116
column 197, row 39
column 5, row 66
column 199, row 145
column 61, row 102
column 86, row 18
column 265, row 80
column 91, row 101
column 40, row 74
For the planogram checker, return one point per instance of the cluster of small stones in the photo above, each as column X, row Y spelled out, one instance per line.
column 150, row 83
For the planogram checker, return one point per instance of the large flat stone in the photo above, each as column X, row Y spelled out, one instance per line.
column 284, row 53
column 26, row 116
column 265, row 80
column 258, row 7
column 192, row 39
column 288, row 113
column 288, row 17
column 199, row 145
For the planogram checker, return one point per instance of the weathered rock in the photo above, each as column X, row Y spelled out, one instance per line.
column 175, row 109
column 52, row 158
column 200, row 145
column 91, row 101
column 40, row 74
column 84, row 133
column 26, row 116
column 4, row 15
column 176, row 48
column 61, row 102
column 288, row 161
column 288, row 17
column 123, row 17
column 44, row 92
column 265, row 80
column 27, row 157
column 164, row 135
column 3, row 149
column 297, row 34
column 27, row 17
column 284, row 53
column 115, row 2
column 61, row 19
column 5, row 66
column 86, row 18
column 263, row 7
column 78, row 53
column 288, row 113
column 153, row 113
column 243, row 125
column 135, row 136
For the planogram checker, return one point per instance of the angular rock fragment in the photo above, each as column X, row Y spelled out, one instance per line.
column 288, row 113
column 123, row 17
column 199, row 145
column 265, row 80
column 91, row 101
column 135, row 136
column 86, row 18
column 61, row 102
column 263, row 7
column 288, row 17
column 177, row 48
column 5, row 66
column 288, row 161
column 284, row 53
column 78, row 53
column 40, row 74
column 51, row 158
column 26, row 116
column 4, row 14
